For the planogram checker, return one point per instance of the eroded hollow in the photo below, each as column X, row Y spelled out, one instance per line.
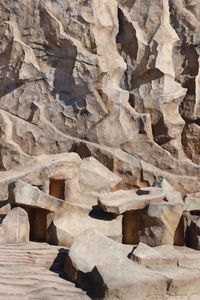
column 38, row 223
column 131, row 227
column 179, row 239
column 57, row 188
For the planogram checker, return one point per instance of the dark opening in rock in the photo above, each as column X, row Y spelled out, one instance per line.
column 131, row 227
column 179, row 233
column 2, row 217
column 195, row 212
column 38, row 223
column 57, row 188
column 141, row 192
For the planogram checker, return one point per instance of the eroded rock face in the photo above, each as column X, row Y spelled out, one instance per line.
column 99, row 131
column 91, row 76
column 103, row 269
column 16, row 226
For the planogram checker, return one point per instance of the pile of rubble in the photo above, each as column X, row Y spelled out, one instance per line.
column 122, row 242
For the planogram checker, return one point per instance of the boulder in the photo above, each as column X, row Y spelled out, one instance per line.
column 121, row 201
column 161, row 222
column 128, row 281
column 22, row 193
column 171, row 195
column 85, row 256
column 16, row 226
column 66, row 224
column 191, row 144
column 192, row 202
column 102, row 266
column 94, row 176
column 5, row 209
column 182, row 281
column 193, row 233
column 161, row 255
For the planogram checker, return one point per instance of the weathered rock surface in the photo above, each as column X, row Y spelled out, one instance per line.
column 194, row 233
column 62, row 92
column 120, row 201
column 25, row 274
column 103, row 268
column 165, row 255
column 16, row 226
column 39, row 171
column 96, row 177
column 191, row 144
column 161, row 221
column 26, row 194
column 192, row 202
column 99, row 104
column 72, row 219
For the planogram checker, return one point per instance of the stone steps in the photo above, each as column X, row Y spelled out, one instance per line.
column 25, row 274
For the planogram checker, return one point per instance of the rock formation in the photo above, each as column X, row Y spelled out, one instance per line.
column 99, row 141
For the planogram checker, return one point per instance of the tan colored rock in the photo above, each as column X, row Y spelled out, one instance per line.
column 109, row 274
column 84, row 256
column 182, row 281
column 193, row 238
column 191, row 135
column 117, row 282
column 5, row 209
column 16, row 226
column 2, row 235
column 105, row 257
column 22, row 193
column 161, row 222
column 192, row 202
column 79, row 100
column 39, row 172
column 99, row 99
column 162, row 255
column 96, row 177
column 171, row 195
column 29, row 270
column 120, row 201
column 72, row 219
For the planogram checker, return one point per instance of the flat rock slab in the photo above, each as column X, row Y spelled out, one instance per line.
column 102, row 267
column 165, row 255
column 72, row 219
column 25, row 194
column 192, row 203
column 120, row 201
column 25, row 274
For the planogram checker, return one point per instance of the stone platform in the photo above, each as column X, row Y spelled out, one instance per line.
column 32, row 271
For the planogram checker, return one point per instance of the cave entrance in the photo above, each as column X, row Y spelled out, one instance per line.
column 38, row 223
column 57, row 188
column 131, row 227
column 179, row 239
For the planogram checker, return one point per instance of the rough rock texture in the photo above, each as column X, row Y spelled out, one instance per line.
column 72, row 219
column 102, row 267
column 99, row 130
column 92, row 77
column 26, row 194
column 16, row 226
column 120, row 201
column 161, row 223
column 26, row 274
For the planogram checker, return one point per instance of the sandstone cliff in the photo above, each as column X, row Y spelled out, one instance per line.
column 95, row 76
column 100, row 133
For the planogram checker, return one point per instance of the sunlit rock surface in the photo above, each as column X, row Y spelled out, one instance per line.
column 100, row 131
